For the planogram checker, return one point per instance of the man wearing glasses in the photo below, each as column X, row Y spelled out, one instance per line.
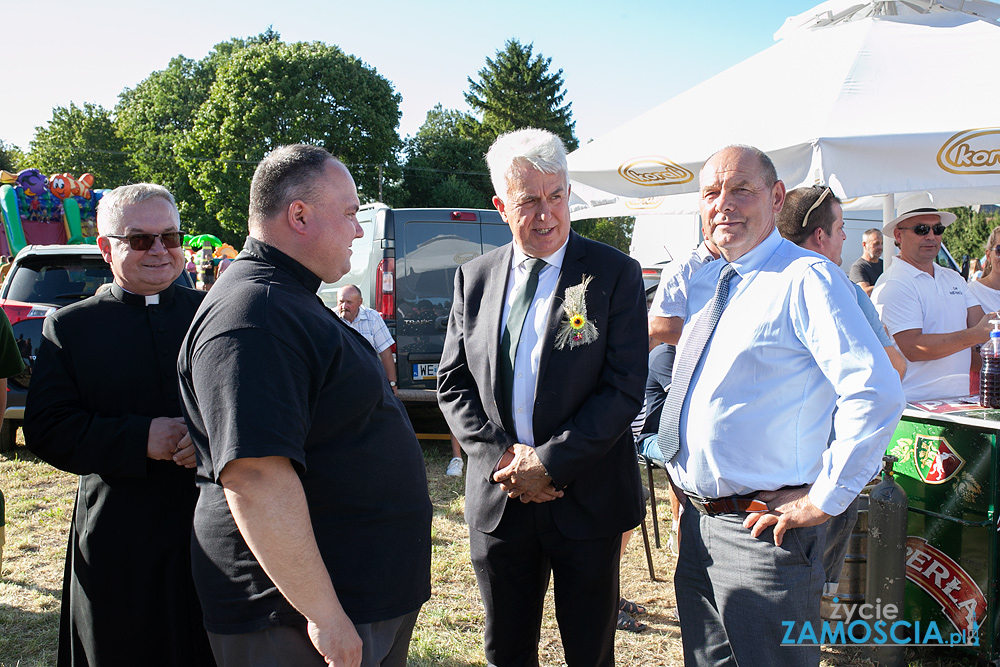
column 927, row 308
column 104, row 405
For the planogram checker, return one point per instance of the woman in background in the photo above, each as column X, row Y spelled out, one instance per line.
column 987, row 289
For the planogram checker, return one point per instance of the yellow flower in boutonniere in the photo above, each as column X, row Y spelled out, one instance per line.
column 576, row 329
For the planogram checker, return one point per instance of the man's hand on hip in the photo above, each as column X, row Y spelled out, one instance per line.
column 522, row 475
column 789, row 508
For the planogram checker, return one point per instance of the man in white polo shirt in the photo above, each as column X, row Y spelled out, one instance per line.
column 927, row 308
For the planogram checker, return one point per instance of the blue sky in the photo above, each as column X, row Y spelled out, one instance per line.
column 618, row 59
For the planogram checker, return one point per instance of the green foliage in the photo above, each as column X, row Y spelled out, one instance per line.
column 615, row 232
column 157, row 115
column 445, row 164
column 260, row 101
column 969, row 233
column 11, row 157
column 79, row 140
column 516, row 90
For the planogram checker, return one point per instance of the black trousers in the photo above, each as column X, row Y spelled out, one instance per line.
column 512, row 567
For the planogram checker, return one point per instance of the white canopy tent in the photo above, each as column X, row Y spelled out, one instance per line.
column 872, row 98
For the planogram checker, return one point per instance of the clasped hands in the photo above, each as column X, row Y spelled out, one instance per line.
column 169, row 440
column 522, row 475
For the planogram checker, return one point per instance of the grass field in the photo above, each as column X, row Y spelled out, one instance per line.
column 449, row 630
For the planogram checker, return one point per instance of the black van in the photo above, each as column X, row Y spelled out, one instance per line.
column 405, row 266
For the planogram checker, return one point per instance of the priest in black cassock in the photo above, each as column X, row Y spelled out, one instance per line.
column 103, row 404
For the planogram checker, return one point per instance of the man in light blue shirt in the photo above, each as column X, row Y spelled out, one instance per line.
column 790, row 346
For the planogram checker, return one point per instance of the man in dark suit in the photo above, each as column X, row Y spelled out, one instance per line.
column 543, row 369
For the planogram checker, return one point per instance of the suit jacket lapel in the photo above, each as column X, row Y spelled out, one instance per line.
column 572, row 270
column 493, row 304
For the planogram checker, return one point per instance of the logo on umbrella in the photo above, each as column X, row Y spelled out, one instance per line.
column 972, row 152
column 643, row 203
column 654, row 171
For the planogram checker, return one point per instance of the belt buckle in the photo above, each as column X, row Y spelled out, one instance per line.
column 701, row 504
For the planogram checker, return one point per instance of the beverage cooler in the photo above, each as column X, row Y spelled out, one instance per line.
column 948, row 466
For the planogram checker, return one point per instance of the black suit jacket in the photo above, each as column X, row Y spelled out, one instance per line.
column 585, row 397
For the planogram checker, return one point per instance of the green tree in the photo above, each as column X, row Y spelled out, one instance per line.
column 445, row 164
column 270, row 94
column 615, row 232
column 79, row 140
column 516, row 90
column 11, row 157
column 968, row 234
column 156, row 115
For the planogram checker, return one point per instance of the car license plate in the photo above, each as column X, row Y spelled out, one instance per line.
column 425, row 371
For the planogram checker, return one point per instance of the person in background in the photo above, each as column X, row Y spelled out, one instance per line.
column 205, row 262
column 812, row 218
column 104, row 405
column 867, row 268
column 666, row 319
column 369, row 324
column 975, row 270
column 312, row 532
column 987, row 288
column 927, row 308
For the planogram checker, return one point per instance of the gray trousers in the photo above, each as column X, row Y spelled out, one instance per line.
column 734, row 591
column 385, row 644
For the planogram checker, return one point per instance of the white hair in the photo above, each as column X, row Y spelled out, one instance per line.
column 111, row 208
column 539, row 149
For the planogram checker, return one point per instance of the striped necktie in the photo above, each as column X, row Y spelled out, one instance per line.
column 668, row 437
column 512, row 334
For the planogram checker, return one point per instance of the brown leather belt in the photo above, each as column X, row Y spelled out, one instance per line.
column 731, row 505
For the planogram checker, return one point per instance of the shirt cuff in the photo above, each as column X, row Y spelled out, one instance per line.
column 830, row 497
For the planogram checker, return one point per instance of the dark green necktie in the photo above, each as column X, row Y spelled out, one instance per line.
column 512, row 334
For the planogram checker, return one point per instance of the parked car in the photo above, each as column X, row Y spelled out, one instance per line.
column 42, row 279
column 405, row 266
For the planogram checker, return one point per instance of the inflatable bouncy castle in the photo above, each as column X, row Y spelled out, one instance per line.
column 40, row 211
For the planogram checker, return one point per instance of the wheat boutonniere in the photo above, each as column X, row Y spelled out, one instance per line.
column 575, row 329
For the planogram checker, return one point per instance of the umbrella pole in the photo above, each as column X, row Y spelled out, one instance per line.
column 889, row 249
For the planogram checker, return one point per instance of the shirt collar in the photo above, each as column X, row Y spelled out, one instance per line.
column 268, row 253
column 132, row 299
column 555, row 259
column 755, row 258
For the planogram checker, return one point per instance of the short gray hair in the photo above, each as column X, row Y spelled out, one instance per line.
column 111, row 208
column 539, row 149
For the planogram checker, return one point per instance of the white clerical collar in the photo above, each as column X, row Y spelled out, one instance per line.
column 151, row 299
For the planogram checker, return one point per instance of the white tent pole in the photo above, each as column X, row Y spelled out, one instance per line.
column 889, row 249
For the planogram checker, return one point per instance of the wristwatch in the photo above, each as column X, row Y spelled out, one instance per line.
column 392, row 383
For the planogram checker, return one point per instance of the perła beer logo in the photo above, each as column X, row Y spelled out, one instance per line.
column 935, row 459
column 943, row 579
column 972, row 152
column 654, row 171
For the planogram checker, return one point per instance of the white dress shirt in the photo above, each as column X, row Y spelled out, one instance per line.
column 671, row 293
column 791, row 345
column 529, row 346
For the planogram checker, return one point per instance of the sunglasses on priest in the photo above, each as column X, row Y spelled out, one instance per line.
column 145, row 241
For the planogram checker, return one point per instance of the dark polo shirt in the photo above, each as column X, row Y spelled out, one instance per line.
column 267, row 370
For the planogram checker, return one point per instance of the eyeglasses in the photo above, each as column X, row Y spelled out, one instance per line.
column 826, row 192
column 145, row 241
column 923, row 230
